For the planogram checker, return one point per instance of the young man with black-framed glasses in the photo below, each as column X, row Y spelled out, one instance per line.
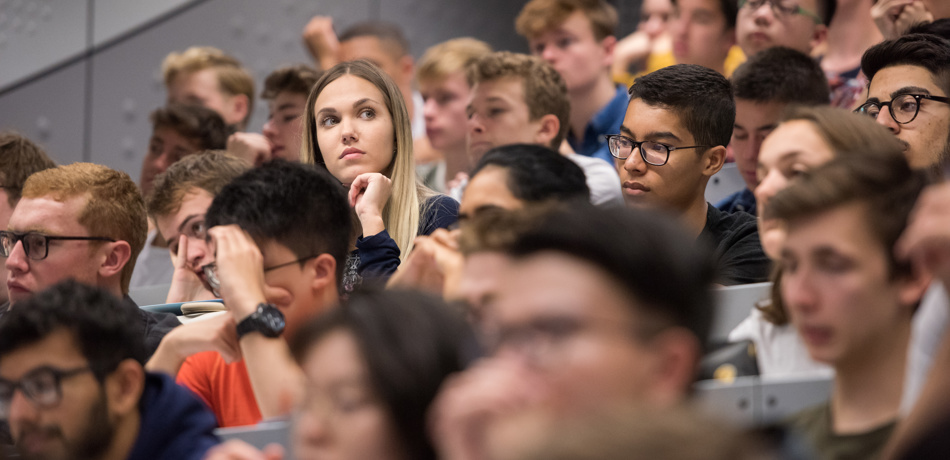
column 80, row 221
column 673, row 139
column 910, row 80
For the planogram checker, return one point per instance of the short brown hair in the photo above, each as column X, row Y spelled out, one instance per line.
column 233, row 78
column 19, row 158
column 449, row 57
column 390, row 36
column 209, row 171
column 544, row 90
column 880, row 180
column 199, row 124
column 297, row 79
column 539, row 16
column 114, row 207
column 496, row 230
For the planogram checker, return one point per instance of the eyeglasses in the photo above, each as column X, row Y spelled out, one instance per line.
column 211, row 272
column 654, row 153
column 903, row 108
column 36, row 245
column 42, row 386
column 780, row 10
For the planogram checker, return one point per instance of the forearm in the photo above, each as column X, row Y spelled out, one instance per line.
column 165, row 359
column 276, row 379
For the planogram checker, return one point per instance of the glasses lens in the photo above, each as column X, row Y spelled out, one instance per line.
column 7, row 242
column 619, row 147
column 870, row 109
column 654, row 153
column 37, row 245
column 42, row 387
column 904, row 108
column 211, row 273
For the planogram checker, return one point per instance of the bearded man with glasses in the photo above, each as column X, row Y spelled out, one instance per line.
column 672, row 140
column 910, row 81
column 84, row 222
column 72, row 384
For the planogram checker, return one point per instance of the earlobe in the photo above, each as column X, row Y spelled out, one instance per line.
column 914, row 286
column 120, row 252
column 124, row 387
column 821, row 33
column 609, row 43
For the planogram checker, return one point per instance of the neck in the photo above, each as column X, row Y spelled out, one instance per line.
column 694, row 217
column 867, row 390
column 587, row 101
column 126, row 433
column 456, row 161
column 852, row 31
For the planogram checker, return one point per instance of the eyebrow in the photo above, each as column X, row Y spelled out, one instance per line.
column 285, row 106
column 652, row 135
column 757, row 128
column 785, row 157
column 186, row 221
column 910, row 90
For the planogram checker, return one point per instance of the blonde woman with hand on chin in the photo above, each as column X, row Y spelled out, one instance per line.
column 357, row 127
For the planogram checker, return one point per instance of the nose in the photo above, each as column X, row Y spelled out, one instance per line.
column 197, row 253
column 475, row 124
column 17, row 260
column 767, row 188
column 886, row 120
column 798, row 291
column 311, row 426
column 349, row 131
column 269, row 130
column 20, row 409
column 429, row 109
column 549, row 53
column 634, row 163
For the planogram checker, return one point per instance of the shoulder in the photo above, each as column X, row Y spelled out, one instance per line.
column 438, row 211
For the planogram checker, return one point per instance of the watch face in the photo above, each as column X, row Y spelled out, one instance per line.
column 267, row 320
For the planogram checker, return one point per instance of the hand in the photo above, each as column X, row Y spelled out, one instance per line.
column 434, row 266
column 894, row 17
column 236, row 449
column 240, row 267
column 926, row 240
column 633, row 48
column 186, row 285
column 321, row 41
column 368, row 195
column 253, row 148
column 218, row 332
column 469, row 403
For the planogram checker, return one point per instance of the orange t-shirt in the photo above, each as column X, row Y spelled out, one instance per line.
column 225, row 388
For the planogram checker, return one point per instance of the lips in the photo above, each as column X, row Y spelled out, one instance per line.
column 679, row 49
column 16, row 288
column 635, row 188
column 351, row 152
column 815, row 335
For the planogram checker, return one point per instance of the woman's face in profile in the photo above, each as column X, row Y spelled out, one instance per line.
column 792, row 148
column 354, row 128
column 341, row 416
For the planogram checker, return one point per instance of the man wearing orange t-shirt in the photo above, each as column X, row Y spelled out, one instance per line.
column 278, row 232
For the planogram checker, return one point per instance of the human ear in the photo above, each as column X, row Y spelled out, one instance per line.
column 679, row 353
column 323, row 269
column 124, row 387
column 548, row 128
column 713, row 159
column 821, row 34
column 914, row 285
column 118, row 255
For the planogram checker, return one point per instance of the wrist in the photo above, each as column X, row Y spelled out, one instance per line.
column 371, row 224
column 244, row 307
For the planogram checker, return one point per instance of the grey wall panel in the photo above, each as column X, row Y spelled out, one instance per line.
column 37, row 34
column 50, row 111
column 127, row 82
column 428, row 22
column 112, row 18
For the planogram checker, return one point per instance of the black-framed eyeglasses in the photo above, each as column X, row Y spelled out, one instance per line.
column 42, row 386
column 779, row 10
column 654, row 153
column 36, row 245
column 211, row 272
column 903, row 108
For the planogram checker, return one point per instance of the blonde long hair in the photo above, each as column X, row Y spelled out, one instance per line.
column 402, row 212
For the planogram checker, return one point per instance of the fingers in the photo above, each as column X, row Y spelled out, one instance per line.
column 181, row 257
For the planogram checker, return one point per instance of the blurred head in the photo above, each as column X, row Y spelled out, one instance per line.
column 285, row 91
column 806, row 138
column 179, row 131
column 294, row 212
column 373, row 367
column 512, row 176
column 655, row 16
column 797, row 24
column 845, row 291
column 79, row 350
column 939, row 10
column 356, row 122
column 703, row 31
column 595, row 329
column 685, row 107
column 442, row 82
column 575, row 36
column 101, row 212
column 516, row 99
column 209, row 77
column 764, row 85
column 383, row 44
column 19, row 158
column 181, row 197
column 910, row 70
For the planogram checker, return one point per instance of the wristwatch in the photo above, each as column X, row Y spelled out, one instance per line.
column 267, row 320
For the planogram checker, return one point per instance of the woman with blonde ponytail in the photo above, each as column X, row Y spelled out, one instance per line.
column 357, row 126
